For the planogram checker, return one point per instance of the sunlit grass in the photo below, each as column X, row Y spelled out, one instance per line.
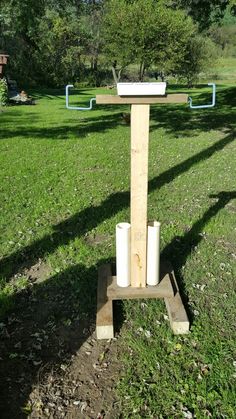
column 64, row 183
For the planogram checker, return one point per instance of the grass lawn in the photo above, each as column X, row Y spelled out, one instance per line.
column 65, row 185
column 224, row 69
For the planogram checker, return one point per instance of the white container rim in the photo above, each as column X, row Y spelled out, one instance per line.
column 142, row 84
column 141, row 89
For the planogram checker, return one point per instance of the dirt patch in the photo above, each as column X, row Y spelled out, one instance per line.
column 82, row 389
column 51, row 365
column 231, row 207
column 95, row 239
column 38, row 272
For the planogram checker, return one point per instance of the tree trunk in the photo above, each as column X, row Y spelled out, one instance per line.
column 116, row 75
column 141, row 71
column 94, row 63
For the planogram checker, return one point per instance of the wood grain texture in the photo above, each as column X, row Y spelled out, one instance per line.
column 139, row 190
column 130, row 100
column 104, row 321
column 167, row 289
column 177, row 314
column 163, row 289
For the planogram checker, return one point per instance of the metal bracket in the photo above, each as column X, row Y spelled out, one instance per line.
column 205, row 106
column 77, row 108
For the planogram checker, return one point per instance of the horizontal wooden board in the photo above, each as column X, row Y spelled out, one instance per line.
column 129, row 100
column 162, row 290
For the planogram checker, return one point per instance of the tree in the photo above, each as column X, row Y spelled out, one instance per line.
column 60, row 46
column 39, row 37
column 19, row 24
column 22, row 17
column 199, row 55
column 205, row 12
column 224, row 34
column 146, row 33
column 92, row 22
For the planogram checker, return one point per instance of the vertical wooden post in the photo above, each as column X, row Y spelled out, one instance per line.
column 139, row 190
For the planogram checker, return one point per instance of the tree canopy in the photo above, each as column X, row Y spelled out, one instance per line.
column 56, row 41
column 148, row 34
column 205, row 12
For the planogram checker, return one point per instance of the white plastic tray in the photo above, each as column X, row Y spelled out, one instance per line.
column 141, row 89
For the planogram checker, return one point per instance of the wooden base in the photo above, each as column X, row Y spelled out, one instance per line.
column 104, row 323
column 167, row 288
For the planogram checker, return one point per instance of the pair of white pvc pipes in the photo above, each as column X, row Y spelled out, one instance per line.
column 123, row 254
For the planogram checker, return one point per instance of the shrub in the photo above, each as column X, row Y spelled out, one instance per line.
column 3, row 92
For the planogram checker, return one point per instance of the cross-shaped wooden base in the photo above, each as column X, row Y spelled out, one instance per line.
column 167, row 288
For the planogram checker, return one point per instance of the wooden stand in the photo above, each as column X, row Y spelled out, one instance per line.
column 167, row 288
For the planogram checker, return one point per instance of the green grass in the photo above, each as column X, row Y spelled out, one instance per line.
column 64, row 187
column 222, row 71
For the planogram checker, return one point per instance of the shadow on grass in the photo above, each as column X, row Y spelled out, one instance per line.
column 41, row 312
column 44, row 309
column 181, row 247
column 177, row 120
column 74, row 94
column 170, row 174
column 17, row 117
column 51, row 320
column 84, row 127
column 64, row 232
column 55, row 93
column 90, row 217
column 182, row 121
column 49, row 323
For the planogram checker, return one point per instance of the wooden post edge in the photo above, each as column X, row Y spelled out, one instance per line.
column 179, row 321
column 104, row 320
column 178, row 317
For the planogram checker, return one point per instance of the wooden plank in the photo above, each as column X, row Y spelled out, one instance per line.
column 163, row 289
column 129, row 100
column 139, row 190
column 167, row 289
column 104, row 321
column 177, row 314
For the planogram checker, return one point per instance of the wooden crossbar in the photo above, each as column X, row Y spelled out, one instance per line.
column 141, row 100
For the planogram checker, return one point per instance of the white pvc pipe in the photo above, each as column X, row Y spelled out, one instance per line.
column 123, row 254
column 153, row 253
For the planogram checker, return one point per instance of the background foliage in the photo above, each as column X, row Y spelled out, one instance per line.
column 54, row 42
column 3, row 92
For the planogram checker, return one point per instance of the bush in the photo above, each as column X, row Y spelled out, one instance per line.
column 3, row 92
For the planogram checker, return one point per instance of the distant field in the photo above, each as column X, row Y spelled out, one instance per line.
column 224, row 71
